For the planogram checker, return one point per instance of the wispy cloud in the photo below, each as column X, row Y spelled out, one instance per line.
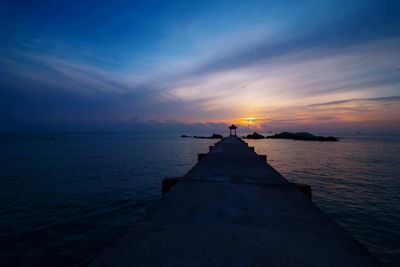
column 346, row 101
column 283, row 67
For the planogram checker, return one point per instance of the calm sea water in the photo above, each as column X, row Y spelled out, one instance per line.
column 63, row 200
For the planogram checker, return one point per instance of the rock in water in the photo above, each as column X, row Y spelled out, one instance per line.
column 302, row 136
column 255, row 135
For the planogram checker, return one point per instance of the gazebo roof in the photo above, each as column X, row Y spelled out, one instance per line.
column 232, row 127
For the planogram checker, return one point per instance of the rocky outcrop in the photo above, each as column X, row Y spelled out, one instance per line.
column 255, row 135
column 213, row 136
column 305, row 136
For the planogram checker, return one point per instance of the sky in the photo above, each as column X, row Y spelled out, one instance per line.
column 319, row 66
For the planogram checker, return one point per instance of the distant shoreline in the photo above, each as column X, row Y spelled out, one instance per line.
column 213, row 136
column 301, row 136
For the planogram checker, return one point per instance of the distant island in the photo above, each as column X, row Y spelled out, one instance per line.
column 213, row 136
column 255, row 135
column 304, row 136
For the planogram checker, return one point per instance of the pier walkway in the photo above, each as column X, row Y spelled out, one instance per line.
column 233, row 209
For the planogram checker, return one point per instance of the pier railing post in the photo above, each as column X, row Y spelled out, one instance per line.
column 305, row 189
column 200, row 156
column 264, row 157
column 168, row 183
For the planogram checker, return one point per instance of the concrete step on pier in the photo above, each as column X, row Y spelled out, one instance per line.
column 233, row 209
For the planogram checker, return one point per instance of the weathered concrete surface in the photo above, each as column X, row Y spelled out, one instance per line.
column 233, row 209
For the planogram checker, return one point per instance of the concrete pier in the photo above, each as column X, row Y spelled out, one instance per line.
column 233, row 209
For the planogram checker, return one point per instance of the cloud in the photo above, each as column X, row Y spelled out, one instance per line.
column 346, row 101
column 352, row 85
column 310, row 69
column 324, row 38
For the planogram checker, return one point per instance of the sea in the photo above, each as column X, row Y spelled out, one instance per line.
column 65, row 197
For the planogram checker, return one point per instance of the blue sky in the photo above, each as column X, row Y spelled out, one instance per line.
column 301, row 65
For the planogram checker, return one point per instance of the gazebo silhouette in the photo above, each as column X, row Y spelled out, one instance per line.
column 232, row 128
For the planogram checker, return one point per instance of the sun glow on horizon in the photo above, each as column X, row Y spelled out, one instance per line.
column 248, row 121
